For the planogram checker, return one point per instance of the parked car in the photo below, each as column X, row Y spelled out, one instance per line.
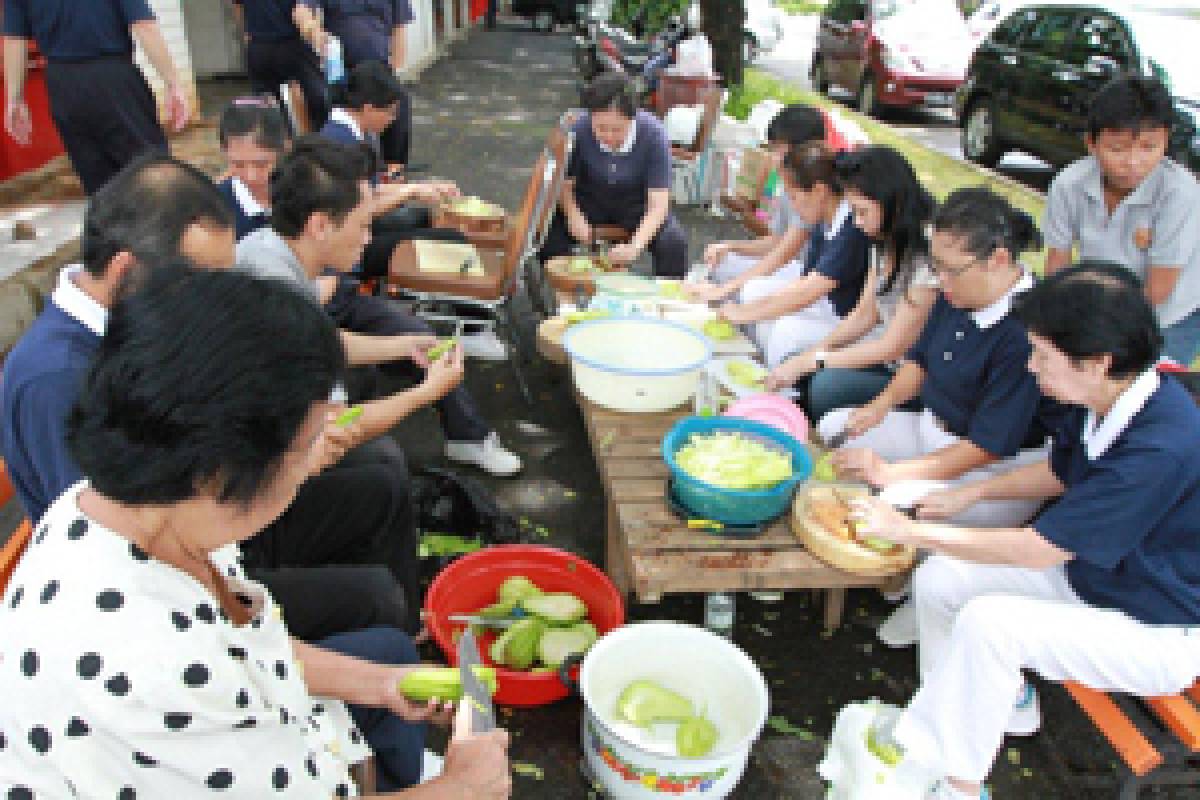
column 892, row 53
column 545, row 14
column 1030, row 82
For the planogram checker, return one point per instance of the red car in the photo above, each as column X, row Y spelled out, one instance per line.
column 892, row 53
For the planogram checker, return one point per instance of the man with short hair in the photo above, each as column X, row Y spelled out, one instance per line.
column 321, row 211
column 1127, row 202
column 357, row 511
column 103, row 108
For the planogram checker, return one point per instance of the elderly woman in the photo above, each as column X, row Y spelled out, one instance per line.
column 1104, row 586
column 137, row 660
column 619, row 174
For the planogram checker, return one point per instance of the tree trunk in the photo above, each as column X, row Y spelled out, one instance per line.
column 724, row 24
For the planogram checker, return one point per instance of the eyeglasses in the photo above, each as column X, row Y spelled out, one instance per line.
column 943, row 270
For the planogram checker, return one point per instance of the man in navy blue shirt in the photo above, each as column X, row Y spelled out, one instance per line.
column 101, row 104
column 369, row 30
column 1103, row 587
column 276, row 54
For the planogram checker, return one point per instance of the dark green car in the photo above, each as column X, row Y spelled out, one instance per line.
column 1030, row 83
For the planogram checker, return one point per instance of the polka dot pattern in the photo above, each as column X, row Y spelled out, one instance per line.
column 144, row 637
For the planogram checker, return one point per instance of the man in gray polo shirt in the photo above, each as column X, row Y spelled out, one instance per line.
column 1127, row 202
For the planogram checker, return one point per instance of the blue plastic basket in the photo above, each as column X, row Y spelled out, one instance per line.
column 734, row 506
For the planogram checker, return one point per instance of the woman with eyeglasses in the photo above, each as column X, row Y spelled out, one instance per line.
column 788, row 313
column 968, row 368
column 858, row 358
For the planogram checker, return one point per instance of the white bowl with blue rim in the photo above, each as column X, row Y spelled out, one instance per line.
column 637, row 364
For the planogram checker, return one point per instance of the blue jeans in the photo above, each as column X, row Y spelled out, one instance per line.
column 1183, row 339
column 398, row 745
column 829, row 389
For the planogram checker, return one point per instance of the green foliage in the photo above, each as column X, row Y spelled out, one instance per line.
column 657, row 15
column 800, row 7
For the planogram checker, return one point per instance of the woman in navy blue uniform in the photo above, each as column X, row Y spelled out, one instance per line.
column 103, row 108
column 1103, row 587
column 619, row 174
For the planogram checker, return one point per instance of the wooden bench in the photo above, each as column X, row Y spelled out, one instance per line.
column 1156, row 738
column 651, row 552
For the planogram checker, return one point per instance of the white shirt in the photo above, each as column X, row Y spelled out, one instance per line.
column 1099, row 436
column 988, row 316
column 343, row 116
column 249, row 205
column 78, row 304
column 118, row 670
column 626, row 146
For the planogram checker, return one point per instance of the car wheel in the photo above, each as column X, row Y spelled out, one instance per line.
column 867, row 100
column 543, row 20
column 819, row 81
column 980, row 142
column 750, row 49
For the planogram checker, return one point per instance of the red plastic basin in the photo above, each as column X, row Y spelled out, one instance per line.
column 471, row 582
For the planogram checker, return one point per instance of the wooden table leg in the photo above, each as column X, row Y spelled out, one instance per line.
column 616, row 554
column 835, row 606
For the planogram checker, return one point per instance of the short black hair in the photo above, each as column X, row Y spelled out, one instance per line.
column 146, row 209
column 371, row 83
column 797, row 124
column 884, row 175
column 809, row 163
column 1131, row 103
column 262, row 121
column 986, row 221
column 610, row 91
column 1094, row 308
column 202, row 381
column 317, row 175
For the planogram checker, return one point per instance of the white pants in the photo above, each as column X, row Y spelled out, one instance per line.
column 734, row 264
column 981, row 625
column 784, row 336
column 903, row 435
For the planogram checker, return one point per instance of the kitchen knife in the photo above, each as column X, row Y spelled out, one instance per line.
column 475, row 694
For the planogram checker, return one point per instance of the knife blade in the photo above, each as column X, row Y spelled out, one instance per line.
column 475, row 694
column 837, row 440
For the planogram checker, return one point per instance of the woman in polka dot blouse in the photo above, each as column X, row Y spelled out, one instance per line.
column 136, row 659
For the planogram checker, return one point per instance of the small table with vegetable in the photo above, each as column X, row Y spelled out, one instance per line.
column 651, row 552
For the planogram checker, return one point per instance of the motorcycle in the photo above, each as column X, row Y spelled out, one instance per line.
column 609, row 48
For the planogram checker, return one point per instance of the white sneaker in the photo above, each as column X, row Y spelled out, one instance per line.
column 485, row 345
column 900, row 629
column 1026, row 717
column 489, row 455
column 431, row 765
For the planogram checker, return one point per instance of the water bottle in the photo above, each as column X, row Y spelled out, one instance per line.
column 335, row 65
column 719, row 609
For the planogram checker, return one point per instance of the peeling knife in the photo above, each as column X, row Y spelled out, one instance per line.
column 475, row 694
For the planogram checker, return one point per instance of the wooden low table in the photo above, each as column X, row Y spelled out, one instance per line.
column 650, row 552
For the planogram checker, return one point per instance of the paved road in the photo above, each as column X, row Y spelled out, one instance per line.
column 791, row 59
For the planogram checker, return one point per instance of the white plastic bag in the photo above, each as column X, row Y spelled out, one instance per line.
column 855, row 773
column 694, row 57
column 761, row 115
column 682, row 123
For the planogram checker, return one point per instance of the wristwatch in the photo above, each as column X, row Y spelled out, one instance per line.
column 819, row 358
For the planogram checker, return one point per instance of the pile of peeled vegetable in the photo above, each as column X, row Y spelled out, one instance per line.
column 549, row 626
column 733, row 461
column 644, row 703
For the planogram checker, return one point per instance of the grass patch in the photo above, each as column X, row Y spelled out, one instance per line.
column 940, row 173
column 801, row 7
